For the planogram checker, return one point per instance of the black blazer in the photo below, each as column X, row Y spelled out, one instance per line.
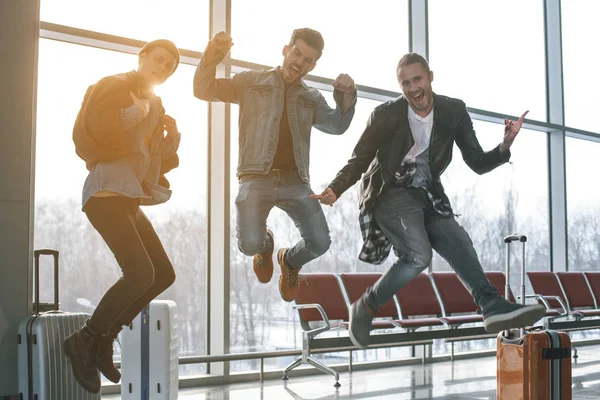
column 387, row 138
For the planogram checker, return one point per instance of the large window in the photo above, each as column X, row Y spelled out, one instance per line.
column 88, row 268
column 185, row 22
column 490, row 54
column 583, row 205
column 512, row 198
column 363, row 39
column 580, row 62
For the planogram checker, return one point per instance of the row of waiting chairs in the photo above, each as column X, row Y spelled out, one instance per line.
column 574, row 294
column 429, row 300
column 438, row 299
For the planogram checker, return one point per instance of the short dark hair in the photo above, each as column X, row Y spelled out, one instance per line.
column 412, row 58
column 311, row 37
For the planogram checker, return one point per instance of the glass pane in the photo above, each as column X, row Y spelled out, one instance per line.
column 511, row 198
column 490, row 54
column 260, row 319
column 583, row 210
column 88, row 268
column 185, row 22
column 580, row 61
column 362, row 39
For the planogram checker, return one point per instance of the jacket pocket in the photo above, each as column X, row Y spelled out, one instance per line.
column 259, row 97
column 306, row 103
column 306, row 110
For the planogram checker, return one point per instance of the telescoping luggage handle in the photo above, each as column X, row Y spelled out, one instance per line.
column 44, row 307
column 515, row 237
column 508, row 240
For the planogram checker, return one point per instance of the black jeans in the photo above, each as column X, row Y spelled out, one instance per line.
column 147, row 270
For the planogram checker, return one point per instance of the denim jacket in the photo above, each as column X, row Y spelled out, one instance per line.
column 260, row 95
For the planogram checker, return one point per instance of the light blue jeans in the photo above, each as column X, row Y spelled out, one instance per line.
column 258, row 194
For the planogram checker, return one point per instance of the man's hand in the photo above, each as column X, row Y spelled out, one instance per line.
column 327, row 197
column 170, row 125
column 218, row 47
column 142, row 105
column 345, row 84
column 511, row 129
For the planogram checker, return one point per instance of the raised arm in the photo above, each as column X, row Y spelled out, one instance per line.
column 206, row 86
column 336, row 121
column 474, row 156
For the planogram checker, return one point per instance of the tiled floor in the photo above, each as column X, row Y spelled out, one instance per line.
column 459, row 380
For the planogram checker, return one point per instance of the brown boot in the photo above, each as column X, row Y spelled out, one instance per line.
column 104, row 361
column 263, row 263
column 81, row 348
column 288, row 281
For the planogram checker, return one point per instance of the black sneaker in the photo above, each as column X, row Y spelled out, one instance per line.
column 500, row 315
column 361, row 318
column 81, row 348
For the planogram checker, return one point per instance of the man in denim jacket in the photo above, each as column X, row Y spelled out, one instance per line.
column 277, row 113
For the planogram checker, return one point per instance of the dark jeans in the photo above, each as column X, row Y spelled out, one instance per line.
column 258, row 194
column 408, row 220
column 147, row 271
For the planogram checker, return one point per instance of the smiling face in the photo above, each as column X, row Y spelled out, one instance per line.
column 415, row 82
column 298, row 60
column 156, row 65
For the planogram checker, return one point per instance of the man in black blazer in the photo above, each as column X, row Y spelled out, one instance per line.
column 403, row 151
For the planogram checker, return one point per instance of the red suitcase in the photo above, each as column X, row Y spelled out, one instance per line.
column 534, row 363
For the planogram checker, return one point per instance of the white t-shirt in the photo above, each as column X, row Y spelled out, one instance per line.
column 421, row 131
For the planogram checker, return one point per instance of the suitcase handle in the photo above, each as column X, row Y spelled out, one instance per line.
column 508, row 240
column 514, row 237
column 36, row 304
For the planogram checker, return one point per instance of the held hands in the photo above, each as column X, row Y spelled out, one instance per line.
column 142, row 105
column 345, row 84
column 511, row 129
column 327, row 197
column 219, row 46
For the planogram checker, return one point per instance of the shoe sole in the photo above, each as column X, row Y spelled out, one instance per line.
column 70, row 354
column 520, row 318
